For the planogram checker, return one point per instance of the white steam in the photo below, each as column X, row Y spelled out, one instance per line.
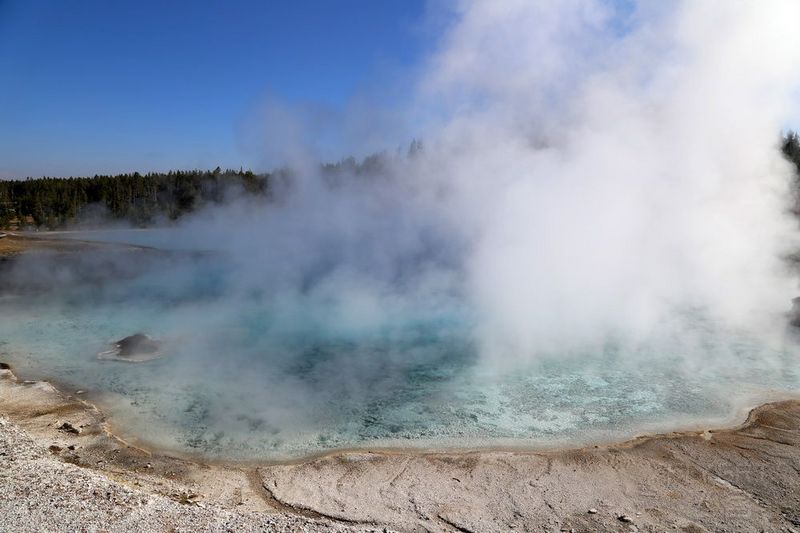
column 590, row 174
column 609, row 172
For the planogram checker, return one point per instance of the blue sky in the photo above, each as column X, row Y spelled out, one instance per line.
column 97, row 86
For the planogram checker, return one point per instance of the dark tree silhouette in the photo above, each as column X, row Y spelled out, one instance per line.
column 136, row 198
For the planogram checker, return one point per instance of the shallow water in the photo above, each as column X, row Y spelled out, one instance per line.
column 267, row 378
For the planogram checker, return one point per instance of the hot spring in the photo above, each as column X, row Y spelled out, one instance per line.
column 270, row 376
column 592, row 243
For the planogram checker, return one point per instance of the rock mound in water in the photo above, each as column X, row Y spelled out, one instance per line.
column 135, row 348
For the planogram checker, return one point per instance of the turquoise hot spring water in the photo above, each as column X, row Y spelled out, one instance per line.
column 255, row 375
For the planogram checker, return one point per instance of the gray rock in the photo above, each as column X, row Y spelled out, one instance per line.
column 135, row 348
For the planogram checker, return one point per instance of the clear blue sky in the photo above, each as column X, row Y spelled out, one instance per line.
column 107, row 86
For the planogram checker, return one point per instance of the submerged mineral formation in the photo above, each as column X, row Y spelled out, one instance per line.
column 135, row 348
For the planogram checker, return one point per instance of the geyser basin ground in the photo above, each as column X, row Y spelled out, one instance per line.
column 252, row 377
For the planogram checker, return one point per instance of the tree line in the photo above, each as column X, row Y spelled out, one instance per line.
column 791, row 151
column 153, row 198
column 140, row 199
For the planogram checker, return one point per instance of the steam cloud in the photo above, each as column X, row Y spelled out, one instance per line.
column 590, row 170
column 612, row 170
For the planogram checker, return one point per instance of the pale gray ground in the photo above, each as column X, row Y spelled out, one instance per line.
column 47, row 487
column 743, row 479
column 39, row 492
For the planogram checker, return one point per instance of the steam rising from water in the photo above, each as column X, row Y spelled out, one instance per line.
column 597, row 225
column 611, row 180
column 588, row 173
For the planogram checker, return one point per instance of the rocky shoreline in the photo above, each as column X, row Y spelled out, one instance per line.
column 62, row 469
